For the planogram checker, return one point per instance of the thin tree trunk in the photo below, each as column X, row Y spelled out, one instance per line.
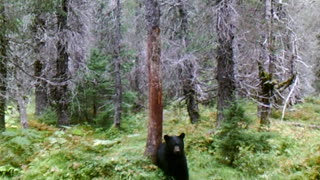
column 3, row 67
column 138, row 74
column 225, row 57
column 61, row 91
column 154, row 71
column 117, row 69
column 23, row 111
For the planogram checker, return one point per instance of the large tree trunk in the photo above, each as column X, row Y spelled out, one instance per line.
column 61, row 94
column 225, row 57
column 155, row 87
column 41, row 98
column 3, row 66
column 117, row 69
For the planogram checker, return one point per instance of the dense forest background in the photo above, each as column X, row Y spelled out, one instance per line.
column 85, row 85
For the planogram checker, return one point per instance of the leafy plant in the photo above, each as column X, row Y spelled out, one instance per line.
column 17, row 147
column 8, row 170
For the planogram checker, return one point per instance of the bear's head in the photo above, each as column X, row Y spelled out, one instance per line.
column 175, row 144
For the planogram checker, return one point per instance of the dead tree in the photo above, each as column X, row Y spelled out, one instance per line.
column 154, row 71
column 268, row 83
column 268, row 87
column 189, row 79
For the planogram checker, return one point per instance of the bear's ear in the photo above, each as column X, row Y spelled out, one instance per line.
column 182, row 135
column 166, row 138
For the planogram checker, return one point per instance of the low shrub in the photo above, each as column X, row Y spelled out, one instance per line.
column 235, row 134
column 48, row 117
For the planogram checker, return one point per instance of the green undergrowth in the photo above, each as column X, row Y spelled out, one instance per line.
column 86, row 152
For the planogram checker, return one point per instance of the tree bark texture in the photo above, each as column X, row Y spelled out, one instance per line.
column 267, row 87
column 23, row 111
column 117, row 68
column 154, row 71
column 269, row 57
column 41, row 98
column 225, row 57
column 61, row 94
column 3, row 66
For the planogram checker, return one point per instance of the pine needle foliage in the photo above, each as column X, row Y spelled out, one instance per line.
column 235, row 134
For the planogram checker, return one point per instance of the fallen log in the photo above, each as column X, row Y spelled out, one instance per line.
column 311, row 126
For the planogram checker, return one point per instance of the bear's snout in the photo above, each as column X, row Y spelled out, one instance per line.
column 176, row 150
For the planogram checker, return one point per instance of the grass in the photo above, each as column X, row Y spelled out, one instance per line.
column 85, row 152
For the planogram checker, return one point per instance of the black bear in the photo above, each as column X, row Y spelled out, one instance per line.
column 171, row 158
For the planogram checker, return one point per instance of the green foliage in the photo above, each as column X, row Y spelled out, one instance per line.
column 104, row 119
column 48, row 117
column 8, row 170
column 16, row 149
column 81, row 152
column 235, row 134
column 255, row 163
column 95, row 91
column 85, row 152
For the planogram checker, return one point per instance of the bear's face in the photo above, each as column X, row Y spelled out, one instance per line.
column 175, row 143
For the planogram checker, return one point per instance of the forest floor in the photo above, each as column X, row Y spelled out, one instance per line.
column 86, row 152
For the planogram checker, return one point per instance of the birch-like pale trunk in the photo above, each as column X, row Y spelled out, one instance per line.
column 22, row 102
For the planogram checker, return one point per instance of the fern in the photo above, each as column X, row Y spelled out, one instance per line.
column 20, row 141
column 8, row 170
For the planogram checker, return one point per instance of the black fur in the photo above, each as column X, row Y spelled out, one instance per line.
column 171, row 157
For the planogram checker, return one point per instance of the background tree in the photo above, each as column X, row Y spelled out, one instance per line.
column 3, row 64
column 60, row 92
column 154, row 137
column 181, row 62
column 273, row 11
column 226, row 18
column 117, row 67
column 38, row 29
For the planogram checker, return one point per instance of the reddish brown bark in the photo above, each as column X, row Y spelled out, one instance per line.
column 155, row 93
